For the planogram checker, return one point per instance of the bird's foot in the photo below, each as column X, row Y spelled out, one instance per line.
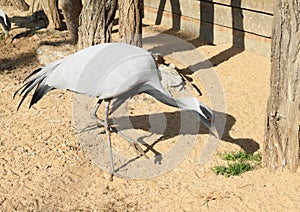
column 111, row 178
column 132, row 142
column 99, row 122
column 137, row 147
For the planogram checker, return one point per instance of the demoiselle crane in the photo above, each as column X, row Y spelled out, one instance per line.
column 5, row 22
column 109, row 71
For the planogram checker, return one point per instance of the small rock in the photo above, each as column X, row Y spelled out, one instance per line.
column 47, row 53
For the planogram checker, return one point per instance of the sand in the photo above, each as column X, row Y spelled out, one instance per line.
column 44, row 166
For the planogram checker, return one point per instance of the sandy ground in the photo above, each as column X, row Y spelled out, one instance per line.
column 44, row 167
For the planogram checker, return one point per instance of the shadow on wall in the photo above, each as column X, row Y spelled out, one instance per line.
column 206, row 32
column 176, row 13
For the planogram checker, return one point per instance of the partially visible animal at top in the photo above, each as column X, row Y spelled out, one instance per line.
column 5, row 23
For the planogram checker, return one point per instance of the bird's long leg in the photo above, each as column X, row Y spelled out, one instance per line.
column 132, row 142
column 137, row 147
column 94, row 113
column 107, row 130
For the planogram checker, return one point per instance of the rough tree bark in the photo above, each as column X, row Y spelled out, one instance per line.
column 35, row 5
column 20, row 5
column 95, row 22
column 50, row 8
column 71, row 10
column 130, row 21
column 282, row 132
column 5, row 3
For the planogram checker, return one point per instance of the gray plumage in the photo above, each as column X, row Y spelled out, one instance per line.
column 5, row 22
column 109, row 71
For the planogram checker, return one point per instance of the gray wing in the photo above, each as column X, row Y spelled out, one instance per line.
column 104, row 71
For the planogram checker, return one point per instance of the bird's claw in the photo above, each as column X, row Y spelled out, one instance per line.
column 138, row 149
column 111, row 177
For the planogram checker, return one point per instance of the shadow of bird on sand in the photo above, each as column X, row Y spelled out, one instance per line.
column 150, row 130
column 173, row 127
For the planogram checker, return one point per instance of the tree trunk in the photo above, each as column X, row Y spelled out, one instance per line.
column 95, row 22
column 5, row 3
column 35, row 5
column 50, row 7
column 130, row 21
column 71, row 10
column 282, row 132
column 20, row 5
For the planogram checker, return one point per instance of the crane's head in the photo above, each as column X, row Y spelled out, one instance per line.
column 207, row 118
column 204, row 113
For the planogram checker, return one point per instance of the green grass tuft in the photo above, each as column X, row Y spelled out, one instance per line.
column 2, row 36
column 232, row 169
column 32, row 32
column 238, row 163
column 241, row 155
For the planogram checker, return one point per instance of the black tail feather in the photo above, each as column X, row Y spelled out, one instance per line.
column 24, row 88
column 23, row 97
column 37, row 82
column 17, row 91
column 39, row 92
column 33, row 73
column 27, row 84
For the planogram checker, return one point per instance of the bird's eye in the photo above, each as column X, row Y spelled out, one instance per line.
column 209, row 120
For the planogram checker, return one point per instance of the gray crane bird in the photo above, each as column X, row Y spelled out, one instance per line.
column 5, row 22
column 110, row 71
